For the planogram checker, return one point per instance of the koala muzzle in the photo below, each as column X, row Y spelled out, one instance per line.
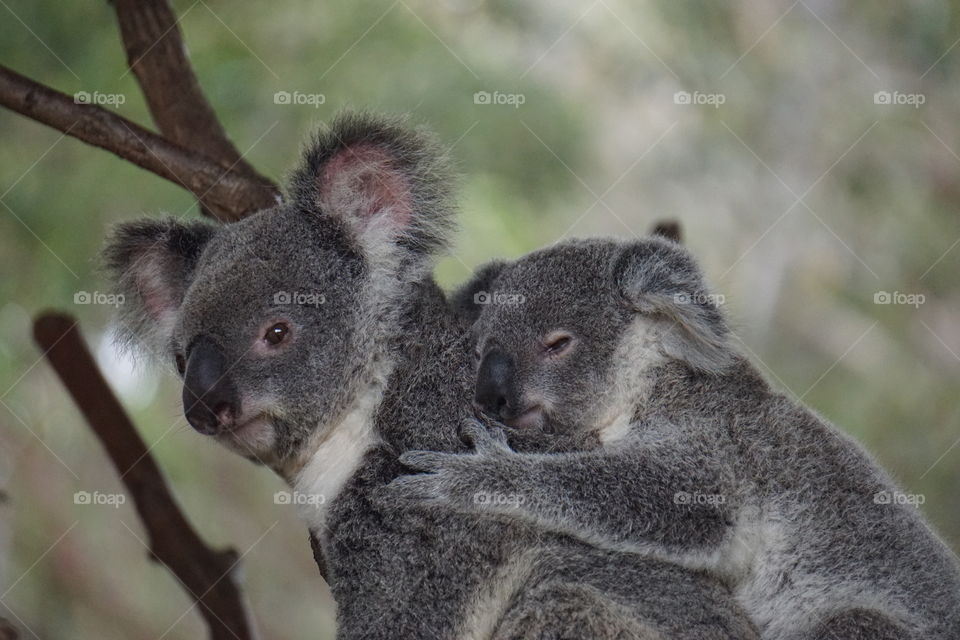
column 496, row 392
column 210, row 400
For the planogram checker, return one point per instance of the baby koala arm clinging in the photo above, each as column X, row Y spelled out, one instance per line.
column 568, row 340
column 664, row 495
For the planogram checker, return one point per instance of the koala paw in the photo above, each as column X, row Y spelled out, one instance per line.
column 459, row 480
column 484, row 440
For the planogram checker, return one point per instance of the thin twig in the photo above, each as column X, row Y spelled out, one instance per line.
column 669, row 229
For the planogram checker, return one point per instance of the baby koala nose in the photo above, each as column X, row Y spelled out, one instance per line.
column 210, row 400
column 495, row 392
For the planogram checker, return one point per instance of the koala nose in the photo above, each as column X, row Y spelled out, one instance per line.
column 210, row 400
column 495, row 391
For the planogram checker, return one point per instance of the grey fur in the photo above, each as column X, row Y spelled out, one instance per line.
column 702, row 464
column 381, row 366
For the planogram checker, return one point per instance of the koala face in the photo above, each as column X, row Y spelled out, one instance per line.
column 274, row 322
column 563, row 332
column 545, row 338
column 265, row 327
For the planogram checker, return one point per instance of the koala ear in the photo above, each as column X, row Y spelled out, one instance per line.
column 659, row 278
column 387, row 183
column 151, row 263
column 465, row 300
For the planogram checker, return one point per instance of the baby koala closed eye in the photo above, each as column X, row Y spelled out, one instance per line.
column 700, row 463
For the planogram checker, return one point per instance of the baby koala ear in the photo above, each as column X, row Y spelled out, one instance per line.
column 660, row 278
column 151, row 263
column 468, row 301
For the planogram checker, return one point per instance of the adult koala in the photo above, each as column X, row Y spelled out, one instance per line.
column 311, row 338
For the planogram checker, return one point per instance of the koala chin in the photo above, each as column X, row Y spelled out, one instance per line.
column 689, row 456
column 311, row 337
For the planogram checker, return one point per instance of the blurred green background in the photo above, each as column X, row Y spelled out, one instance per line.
column 806, row 193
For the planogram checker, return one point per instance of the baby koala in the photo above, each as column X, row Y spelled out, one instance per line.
column 696, row 460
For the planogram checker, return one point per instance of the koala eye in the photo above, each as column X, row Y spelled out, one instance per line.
column 181, row 363
column 277, row 333
column 558, row 343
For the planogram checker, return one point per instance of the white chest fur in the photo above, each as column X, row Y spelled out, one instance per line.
column 334, row 460
column 636, row 354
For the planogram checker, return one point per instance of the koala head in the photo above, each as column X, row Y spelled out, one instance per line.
column 565, row 334
column 276, row 322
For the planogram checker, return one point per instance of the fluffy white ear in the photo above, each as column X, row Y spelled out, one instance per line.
column 151, row 264
column 387, row 183
column 660, row 278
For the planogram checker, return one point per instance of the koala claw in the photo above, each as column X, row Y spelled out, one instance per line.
column 451, row 479
column 484, row 439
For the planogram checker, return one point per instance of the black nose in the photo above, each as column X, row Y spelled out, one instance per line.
column 210, row 400
column 496, row 385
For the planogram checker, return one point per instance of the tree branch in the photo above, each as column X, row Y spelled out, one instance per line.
column 208, row 575
column 158, row 58
column 7, row 630
column 669, row 229
column 229, row 195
